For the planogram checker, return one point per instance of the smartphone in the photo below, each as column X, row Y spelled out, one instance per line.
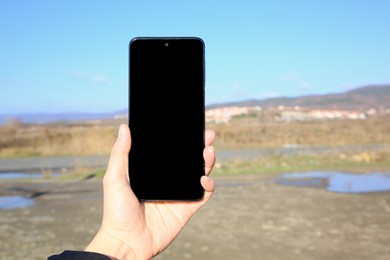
column 167, row 117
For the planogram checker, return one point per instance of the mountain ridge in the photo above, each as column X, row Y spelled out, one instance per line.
column 358, row 99
column 42, row 118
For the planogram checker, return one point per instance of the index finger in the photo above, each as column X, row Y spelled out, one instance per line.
column 209, row 137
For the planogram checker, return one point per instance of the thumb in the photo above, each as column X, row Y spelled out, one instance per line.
column 117, row 194
column 117, row 169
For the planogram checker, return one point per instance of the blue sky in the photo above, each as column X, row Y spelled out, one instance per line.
column 66, row 56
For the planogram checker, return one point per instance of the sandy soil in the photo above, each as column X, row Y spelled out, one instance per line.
column 249, row 217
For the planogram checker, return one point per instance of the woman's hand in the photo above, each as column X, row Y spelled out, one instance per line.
column 140, row 230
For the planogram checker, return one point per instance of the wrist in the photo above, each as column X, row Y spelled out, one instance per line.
column 110, row 246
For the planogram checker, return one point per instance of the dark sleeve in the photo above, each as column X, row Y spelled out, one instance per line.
column 76, row 255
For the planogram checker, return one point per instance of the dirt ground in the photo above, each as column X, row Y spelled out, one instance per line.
column 249, row 217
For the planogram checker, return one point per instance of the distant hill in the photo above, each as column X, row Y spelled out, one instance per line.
column 359, row 99
column 41, row 118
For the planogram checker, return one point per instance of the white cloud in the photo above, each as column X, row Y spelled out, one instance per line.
column 297, row 81
column 237, row 90
column 290, row 76
column 346, row 86
column 306, row 86
column 95, row 78
column 236, row 87
column 267, row 94
column 99, row 79
column 79, row 74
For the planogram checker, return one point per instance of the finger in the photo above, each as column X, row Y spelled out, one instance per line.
column 209, row 187
column 209, row 159
column 117, row 192
column 209, row 137
column 117, row 165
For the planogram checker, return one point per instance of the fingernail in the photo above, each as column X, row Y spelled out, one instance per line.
column 121, row 131
column 207, row 178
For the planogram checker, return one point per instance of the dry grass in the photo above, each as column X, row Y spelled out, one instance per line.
column 362, row 162
column 49, row 140
column 93, row 139
column 252, row 133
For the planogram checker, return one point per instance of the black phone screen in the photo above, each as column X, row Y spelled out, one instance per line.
column 166, row 117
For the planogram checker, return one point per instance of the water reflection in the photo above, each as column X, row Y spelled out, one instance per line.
column 10, row 202
column 19, row 175
column 339, row 181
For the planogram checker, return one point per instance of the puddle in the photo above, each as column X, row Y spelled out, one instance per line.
column 338, row 181
column 11, row 202
column 20, row 175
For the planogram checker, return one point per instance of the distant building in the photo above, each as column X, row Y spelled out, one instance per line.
column 120, row 117
column 335, row 114
column 224, row 114
column 295, row 115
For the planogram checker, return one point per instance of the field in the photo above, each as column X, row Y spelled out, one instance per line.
column 249, row 216
column 250, row 132
column 275, row 146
